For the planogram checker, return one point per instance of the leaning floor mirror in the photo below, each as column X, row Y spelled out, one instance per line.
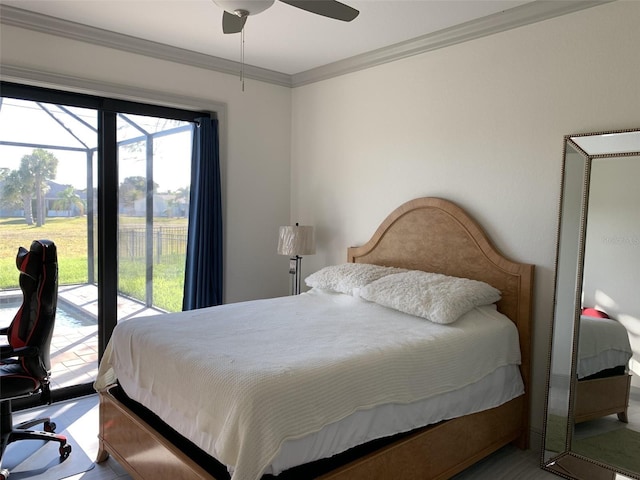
column 592, row 415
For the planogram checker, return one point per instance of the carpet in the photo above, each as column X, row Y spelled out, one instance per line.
column 39, row 460
column 618, row 448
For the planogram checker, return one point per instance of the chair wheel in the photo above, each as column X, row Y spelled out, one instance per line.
column 4, row 474
column 65, row 450
column 49, row 427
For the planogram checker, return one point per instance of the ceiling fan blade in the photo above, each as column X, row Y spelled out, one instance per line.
column 232, row 23
column 326, row 8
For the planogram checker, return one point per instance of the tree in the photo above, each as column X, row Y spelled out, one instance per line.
column 182, row 199
column 40, row 166
column 182, row 194
column 29, row 181
column 18, row 191
column 67, row 199
column 43, row 166
column 132, row 189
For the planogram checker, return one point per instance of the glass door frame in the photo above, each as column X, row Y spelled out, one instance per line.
column 107, row 210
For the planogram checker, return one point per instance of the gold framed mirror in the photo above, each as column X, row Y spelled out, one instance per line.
column 592, row 413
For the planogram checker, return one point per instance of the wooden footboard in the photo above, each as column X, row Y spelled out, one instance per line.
column 141, row 450
column 602, row 396
column 436, row 452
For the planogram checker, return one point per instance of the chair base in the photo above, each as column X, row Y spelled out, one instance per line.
column 11, row 433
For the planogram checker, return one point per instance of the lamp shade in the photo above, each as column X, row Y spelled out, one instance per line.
column 296, row 240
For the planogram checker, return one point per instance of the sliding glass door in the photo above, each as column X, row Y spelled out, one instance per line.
column 48, row 158
column 108, row 182
column 154, row 172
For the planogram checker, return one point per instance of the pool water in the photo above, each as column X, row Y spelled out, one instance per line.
column 64, row 317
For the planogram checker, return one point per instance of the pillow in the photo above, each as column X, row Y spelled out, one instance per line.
column 436, row 297
column 593, row 312
column 346, row 277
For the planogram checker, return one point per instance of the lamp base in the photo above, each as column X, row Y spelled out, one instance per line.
column 294, row 269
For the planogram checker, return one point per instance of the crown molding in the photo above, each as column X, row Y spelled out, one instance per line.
column 526, row 14
column 37, row 22
column 499, row 22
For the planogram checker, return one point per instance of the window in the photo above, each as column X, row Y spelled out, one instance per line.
column 108, row 182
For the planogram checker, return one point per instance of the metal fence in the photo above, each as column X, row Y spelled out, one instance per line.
column 167, row 242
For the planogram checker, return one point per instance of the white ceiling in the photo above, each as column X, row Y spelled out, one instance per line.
column 285, row 39
column 282, row 38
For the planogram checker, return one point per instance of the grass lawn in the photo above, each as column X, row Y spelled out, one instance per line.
column 70, row 237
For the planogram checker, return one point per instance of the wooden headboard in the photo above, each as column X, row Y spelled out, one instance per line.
column 435, row 235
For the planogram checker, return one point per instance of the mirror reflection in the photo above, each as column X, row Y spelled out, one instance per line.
column 592, row 425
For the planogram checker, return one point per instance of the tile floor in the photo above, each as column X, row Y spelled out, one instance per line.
column 81, row 418
column 74, row 346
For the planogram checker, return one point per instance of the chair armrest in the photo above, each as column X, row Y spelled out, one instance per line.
column 4, row 330
column 6, row 351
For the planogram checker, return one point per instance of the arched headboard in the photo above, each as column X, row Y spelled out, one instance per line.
column 436, row 235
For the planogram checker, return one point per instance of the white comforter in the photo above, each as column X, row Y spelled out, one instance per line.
column 603, row 343
column 239, row 379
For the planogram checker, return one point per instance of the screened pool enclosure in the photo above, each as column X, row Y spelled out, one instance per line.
column 50, row 188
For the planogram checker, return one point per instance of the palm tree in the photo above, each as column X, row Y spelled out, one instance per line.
column 43, row 166
column 67, row 199
column 29, row 181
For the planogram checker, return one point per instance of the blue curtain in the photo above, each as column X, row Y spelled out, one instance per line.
column 203, row 273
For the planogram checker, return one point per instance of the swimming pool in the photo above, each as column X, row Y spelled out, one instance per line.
column 65, row 316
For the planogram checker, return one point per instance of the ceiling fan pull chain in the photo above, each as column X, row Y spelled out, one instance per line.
column 242, row 58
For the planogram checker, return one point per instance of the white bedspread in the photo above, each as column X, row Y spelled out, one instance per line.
column 603, row 343
column 239, row 379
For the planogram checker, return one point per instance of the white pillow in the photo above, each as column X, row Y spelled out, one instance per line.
column 436, row 297
column 346, row 277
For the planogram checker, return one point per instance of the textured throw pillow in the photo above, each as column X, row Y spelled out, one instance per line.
column 436, row 297
column 346, row 277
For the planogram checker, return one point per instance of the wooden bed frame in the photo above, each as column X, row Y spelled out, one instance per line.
column 601, row 394
column 600, row 397
column 429, row 234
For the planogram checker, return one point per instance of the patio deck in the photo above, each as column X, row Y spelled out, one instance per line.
column 74, row 348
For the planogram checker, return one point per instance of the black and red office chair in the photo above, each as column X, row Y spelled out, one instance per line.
column 24, row 363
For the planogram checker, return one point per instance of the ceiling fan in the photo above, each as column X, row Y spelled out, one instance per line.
column 236, row 11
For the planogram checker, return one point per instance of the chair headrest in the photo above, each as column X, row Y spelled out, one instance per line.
column 30, row 261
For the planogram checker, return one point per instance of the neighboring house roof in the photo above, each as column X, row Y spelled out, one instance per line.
column 56, row 188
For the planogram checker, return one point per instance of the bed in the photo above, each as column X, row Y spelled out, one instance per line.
column 603, row 383
column 423, row 235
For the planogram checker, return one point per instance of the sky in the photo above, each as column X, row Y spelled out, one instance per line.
column 23, row 121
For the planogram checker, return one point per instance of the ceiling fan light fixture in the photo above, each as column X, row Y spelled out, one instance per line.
column 236, row 13
column 237, row 7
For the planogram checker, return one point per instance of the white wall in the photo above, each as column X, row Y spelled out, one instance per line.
column 255, row 143
column 480, row 123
